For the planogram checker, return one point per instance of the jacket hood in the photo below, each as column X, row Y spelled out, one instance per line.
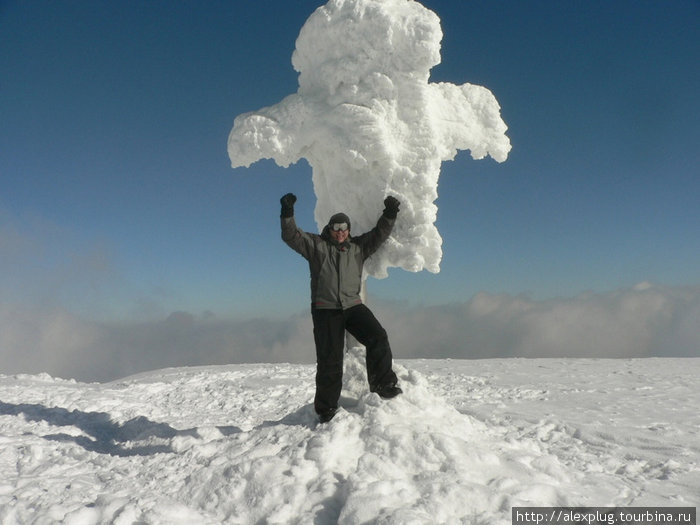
column 340, row 217
column 337, row 218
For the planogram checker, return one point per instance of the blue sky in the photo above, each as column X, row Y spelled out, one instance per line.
column 117, row 200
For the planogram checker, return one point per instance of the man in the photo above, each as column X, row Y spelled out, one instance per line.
column 336, row 260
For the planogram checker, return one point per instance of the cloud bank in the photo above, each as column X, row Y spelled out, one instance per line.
column 643, row 321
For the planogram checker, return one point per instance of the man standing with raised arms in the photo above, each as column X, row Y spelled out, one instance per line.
column 336, row 260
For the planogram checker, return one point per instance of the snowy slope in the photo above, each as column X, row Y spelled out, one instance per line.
column 240, row 444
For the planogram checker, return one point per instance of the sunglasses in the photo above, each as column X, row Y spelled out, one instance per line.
column 340, row 226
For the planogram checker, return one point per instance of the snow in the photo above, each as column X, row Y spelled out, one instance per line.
column 466, row 441
column 370, row 123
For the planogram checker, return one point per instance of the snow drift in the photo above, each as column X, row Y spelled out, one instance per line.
column 370, row 124
column 240, row 444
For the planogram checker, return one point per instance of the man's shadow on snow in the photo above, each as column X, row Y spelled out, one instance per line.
column 106, row 436
column 302, row 417
column 306, row 416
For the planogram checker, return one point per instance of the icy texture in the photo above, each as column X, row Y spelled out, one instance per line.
column 370, row 124
column 240, row 444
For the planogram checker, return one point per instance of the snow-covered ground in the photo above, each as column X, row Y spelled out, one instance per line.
column 240, row 444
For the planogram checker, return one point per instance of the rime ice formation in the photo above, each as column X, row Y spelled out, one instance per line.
column 370, row 124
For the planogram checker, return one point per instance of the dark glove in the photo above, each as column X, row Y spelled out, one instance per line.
column 391, row 207
column 288, row 205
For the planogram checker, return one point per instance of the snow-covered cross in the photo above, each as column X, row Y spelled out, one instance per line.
column 370, row 124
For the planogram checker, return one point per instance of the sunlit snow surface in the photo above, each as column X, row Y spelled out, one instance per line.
column 240, row 444
column 370, row 123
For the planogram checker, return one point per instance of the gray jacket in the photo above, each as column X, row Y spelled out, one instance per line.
column 336, row 269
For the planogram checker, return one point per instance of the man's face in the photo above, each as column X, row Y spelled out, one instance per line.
column 340, row 232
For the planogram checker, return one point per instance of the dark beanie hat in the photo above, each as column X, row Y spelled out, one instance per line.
column 339, row 218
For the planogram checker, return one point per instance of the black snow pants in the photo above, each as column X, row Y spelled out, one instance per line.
column 329, row 336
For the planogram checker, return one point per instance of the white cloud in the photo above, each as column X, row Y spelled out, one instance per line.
column 639, row 322
column 44, row 263
column 64, row 345
column 45, row 341
column 643, row 321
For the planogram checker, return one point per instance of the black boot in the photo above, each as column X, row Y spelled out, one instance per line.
column 388, row 391
column 327, row 415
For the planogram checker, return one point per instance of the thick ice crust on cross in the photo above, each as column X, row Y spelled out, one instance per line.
column 370, row 124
